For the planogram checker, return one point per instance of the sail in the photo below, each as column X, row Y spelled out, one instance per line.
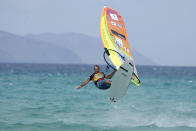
column 114, row 39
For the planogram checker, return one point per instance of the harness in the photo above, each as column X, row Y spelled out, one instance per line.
column 100, row 79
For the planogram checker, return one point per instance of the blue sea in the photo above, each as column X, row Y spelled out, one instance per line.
column 43, row 97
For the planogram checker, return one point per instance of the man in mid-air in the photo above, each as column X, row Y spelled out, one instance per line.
column 99, row 79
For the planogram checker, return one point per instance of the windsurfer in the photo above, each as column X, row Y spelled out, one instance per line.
column 100, row 79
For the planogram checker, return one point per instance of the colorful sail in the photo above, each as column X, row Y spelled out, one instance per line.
column 114, row 37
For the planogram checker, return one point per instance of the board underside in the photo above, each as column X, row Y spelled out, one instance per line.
column 121, row 81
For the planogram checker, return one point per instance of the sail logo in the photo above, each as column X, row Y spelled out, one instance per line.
column 120, row 44
column 116, row 24
column 114, row 16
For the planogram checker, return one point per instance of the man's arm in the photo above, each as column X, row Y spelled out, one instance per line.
column 83, row 84
column 110, row 75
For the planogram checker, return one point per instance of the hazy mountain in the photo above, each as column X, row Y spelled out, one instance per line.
column 56, row 48
column 89, row 48
column 14, row 48
column 140, row 59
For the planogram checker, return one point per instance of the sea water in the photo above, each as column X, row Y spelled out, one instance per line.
column 43, row 97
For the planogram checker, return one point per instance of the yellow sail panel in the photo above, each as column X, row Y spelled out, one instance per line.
column 114, row 37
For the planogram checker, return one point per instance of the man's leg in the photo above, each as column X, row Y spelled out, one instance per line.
column 108, row 82
column 104, row 84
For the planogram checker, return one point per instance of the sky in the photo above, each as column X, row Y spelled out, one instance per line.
column 162, row 30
